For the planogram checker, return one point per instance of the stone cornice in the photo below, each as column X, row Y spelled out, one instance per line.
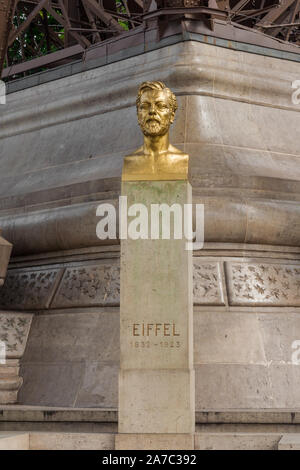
column 190, row 68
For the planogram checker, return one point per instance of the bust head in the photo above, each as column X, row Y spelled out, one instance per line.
column 156, row 106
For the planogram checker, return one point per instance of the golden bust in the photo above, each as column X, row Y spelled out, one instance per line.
column 157, row 159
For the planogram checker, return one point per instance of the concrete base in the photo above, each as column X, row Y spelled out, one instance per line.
column 236, row 441
column 14, row 441
column 154, row 442
column 10, row 382
column 56, row 441
column 153, row 398
column 289, row 442
column 110, row 441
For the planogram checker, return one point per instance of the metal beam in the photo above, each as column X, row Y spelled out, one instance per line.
column 239, row 6
column 83, row 41
column 274, row 14
column 103, row 15
column 295, row 10
column 45, row 60
column 6, row 14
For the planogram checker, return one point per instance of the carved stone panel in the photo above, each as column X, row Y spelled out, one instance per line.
column 29, row 289
column 14, row 330
column 263, row 284
column 100, row 285
column 207, row 283
column 89, row 285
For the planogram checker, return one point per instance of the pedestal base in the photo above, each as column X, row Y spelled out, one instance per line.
column 157, row 400
column 154, row 442
column 10, row 382
column 156, row 380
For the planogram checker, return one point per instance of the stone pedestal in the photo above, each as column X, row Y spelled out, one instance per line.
column 156, row 380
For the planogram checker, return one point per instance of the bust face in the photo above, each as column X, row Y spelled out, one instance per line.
column 155, row 115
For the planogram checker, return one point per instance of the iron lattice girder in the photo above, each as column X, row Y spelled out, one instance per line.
column 106, row 12
column 87, row 22
column 6, row 14
column 275, row 13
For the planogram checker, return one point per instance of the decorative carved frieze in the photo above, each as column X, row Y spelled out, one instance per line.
column 29, row 289
column 14, row 330
column 263, row 284
column 207, row 284
column 99, row 284
column 89, row 285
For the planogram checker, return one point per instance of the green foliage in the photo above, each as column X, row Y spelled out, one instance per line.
column 121, row 9
column 32, row 42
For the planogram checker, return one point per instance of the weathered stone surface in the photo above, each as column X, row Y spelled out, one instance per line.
column 289, row 441
column 14, row 441
column 285, row 384
column 89, row 285
column 80, row 336
column 56, row 441
column 256, row 386
column 208, row 289
column 263, row 284
column 220, row 386
column 281, row 337
column 72, row 360
column 9, row 394
column 51, row 384
column 99, row 387
column 165, row 397
column 27, row 289
column 70, row 441
column 154, row 442
column 228, row 338
column 58, row 419
column 236, row 441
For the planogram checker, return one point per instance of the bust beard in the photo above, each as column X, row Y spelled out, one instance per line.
column 154, row 128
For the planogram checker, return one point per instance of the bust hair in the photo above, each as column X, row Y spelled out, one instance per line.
column 145, row 86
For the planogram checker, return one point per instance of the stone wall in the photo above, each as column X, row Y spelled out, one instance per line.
column 246, row 319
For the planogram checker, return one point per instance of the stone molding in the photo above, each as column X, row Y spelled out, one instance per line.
column 52, row 103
